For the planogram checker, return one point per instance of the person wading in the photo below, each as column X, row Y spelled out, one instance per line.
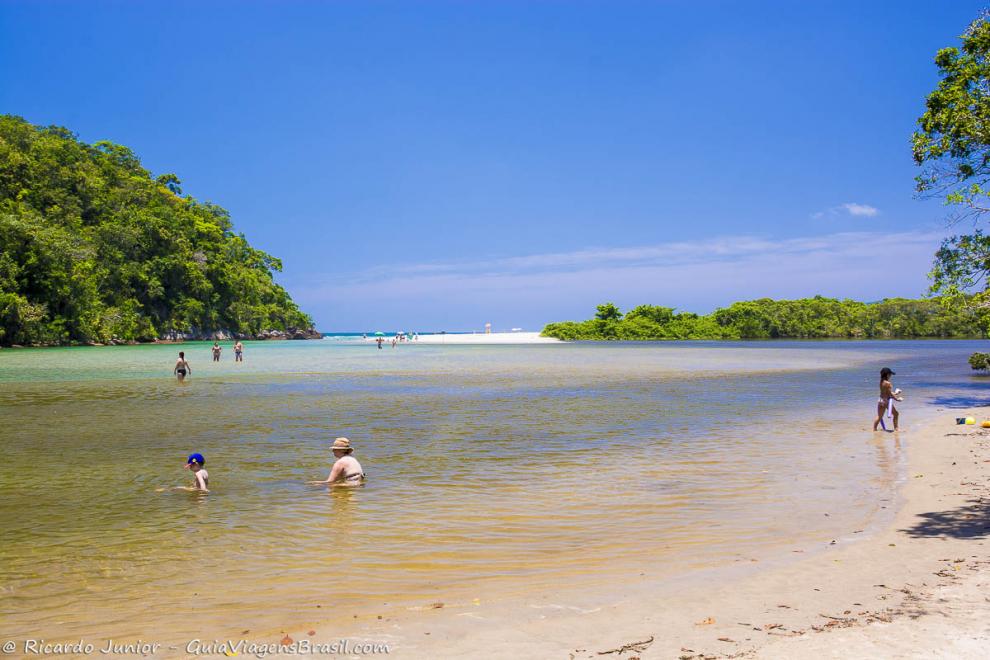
column 346, row 470
column 886, row 401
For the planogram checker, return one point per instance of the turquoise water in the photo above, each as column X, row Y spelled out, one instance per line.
column 494, row 470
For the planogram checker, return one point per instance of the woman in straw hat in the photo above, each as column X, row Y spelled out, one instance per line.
column 346, row 469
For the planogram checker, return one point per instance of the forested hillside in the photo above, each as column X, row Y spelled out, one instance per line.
column 93, row 248
column 808, row 318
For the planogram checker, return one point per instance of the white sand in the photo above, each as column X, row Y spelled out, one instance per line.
column 482, row 338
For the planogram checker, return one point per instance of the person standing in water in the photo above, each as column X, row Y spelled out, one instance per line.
column 181, row 367
column 887, row 396
column 216, row 351
column 238, row 351
column 346, row 470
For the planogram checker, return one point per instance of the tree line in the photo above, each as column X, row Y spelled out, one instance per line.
column 808, row 318
column 93, row 248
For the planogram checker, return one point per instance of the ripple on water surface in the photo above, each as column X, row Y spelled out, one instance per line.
column 502, row 470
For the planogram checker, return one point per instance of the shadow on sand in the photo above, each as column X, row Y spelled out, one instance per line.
column 961, row 401
column 975, row 382
column 970, row 521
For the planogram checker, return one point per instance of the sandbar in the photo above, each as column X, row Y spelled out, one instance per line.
column 483, row 338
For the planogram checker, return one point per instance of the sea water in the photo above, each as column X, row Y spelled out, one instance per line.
column 493, row 471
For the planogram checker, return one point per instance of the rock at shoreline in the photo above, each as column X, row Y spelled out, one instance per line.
column 291, row 333
column 307, row 333
column 179, row 337
column 226, row 335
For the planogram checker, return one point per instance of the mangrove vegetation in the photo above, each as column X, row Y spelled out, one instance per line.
column 808, row 318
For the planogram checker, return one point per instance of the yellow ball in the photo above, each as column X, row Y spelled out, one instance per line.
column 970, row 420
column 985, row 424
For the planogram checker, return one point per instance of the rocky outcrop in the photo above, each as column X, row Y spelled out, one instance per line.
column 308, row 333
column 226, row 335
column 291, row 333
column 179, row 337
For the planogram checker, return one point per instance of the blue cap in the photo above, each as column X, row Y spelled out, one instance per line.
column 195, row 458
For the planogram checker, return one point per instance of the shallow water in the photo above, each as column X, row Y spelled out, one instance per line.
column 493, row 471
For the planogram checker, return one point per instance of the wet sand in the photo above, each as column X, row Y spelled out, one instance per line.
column 915, row 588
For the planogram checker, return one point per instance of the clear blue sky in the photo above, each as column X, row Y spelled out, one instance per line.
column 439, row 165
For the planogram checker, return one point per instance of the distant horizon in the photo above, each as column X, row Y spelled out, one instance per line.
column 591, row 313
column 418, row 332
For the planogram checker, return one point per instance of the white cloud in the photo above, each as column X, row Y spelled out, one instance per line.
column 861, row 209
column 852, row 208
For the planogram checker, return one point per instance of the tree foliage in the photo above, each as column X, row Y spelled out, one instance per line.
column 809, row 318
column 953, row 140
column 93, row 248
column 952, row 145
column 979, row 361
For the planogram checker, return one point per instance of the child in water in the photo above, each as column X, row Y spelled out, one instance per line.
column 195, row 463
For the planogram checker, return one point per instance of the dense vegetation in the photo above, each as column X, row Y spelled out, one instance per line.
column 809, row 318
column 94, row 249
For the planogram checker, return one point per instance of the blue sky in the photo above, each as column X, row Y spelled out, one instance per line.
column 439, row 165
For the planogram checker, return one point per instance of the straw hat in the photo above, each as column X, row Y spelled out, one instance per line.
column 343, row 444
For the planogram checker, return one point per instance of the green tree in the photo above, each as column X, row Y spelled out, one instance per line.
column 980, row 361
column 952, row 145
column 652, row 313
column 608, row 312
column 94, row 248
column 171, row 182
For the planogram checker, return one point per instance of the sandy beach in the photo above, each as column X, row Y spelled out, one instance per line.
column 915, row 588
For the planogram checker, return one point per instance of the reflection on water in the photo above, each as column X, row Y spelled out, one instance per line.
column 501, row 470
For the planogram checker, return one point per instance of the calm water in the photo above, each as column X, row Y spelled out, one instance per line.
column 493, row 471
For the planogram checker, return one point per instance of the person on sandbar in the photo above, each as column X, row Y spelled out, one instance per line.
column 887, row 397
column 346, row 470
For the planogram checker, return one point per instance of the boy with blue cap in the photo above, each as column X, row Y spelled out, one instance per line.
column 195, row 463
